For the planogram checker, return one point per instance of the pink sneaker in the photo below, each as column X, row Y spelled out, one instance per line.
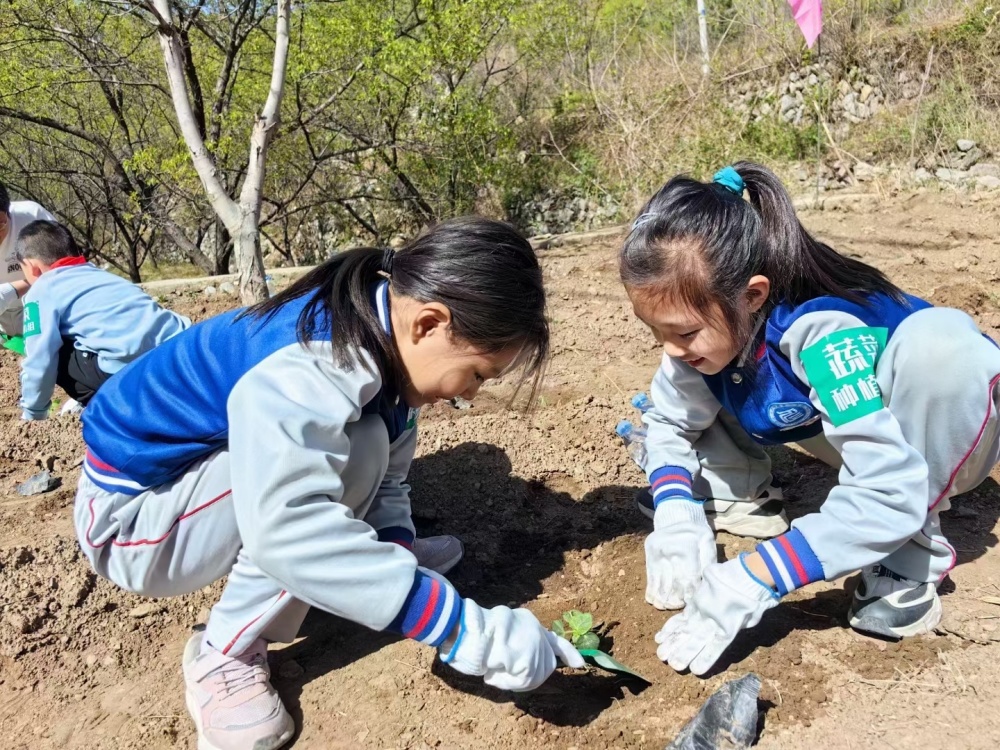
column 231, row 700
column 439, row 553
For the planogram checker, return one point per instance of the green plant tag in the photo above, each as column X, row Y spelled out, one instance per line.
column 32, row 320
column 604, row 661
column 841, row 367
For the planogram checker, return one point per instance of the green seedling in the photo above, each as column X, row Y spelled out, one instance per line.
column 578, row 628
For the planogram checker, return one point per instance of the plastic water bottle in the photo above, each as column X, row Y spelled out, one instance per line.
column 635, row 441
column 642, row 402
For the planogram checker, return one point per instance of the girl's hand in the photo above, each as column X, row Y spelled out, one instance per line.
column 729, row 599
column 681, row 546
column 509, row 648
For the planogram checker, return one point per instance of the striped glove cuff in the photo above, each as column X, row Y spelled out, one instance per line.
column 670, row 483
column 791, row 561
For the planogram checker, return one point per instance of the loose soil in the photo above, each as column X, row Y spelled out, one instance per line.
column 544, row 504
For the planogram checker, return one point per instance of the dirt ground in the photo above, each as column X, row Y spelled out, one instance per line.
column 545, row 507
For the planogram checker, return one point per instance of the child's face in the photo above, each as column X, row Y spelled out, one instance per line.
column 438, row 365
column 701, row 339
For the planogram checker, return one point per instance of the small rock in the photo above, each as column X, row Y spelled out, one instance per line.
column 787, row 103
column 90, row 660
column 290, row 670
column 963, row 145
column 812, row 80
column 922, row 175
column 146, row 609
column 984, row 170
column 950, row 175
column 598, row 469
column 227, row 287
column 988, row 182
column 969, row 159
column 208, row 291
column 459, row 403
column 961, row 265
column 864, row 171
column 866, row 92
column 41, row 482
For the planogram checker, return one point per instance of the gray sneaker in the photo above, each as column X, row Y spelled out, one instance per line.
column 761, row 518
column 438, row 553
column 891, row 606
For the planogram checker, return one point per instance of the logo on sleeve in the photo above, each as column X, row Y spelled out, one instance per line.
column 411, row 418
column 788, row 414
column 32, row 320
column 841, row 367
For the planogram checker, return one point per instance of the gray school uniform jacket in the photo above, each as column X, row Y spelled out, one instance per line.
column 249, row 384
column 809, row 369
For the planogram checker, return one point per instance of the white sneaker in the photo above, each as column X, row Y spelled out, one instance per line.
column 438, row 553
column 72, row 406
column 761, row 518
column 889, row 605
column 231, row 699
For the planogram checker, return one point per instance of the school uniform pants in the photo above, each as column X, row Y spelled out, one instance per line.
column 939, row 378
column 182, row 536
column 78, row 373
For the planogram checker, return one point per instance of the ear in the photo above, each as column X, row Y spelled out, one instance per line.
column 429, row 319
column 758, row 289
column 32, row 265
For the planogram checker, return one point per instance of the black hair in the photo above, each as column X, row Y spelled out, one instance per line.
column 483, row 271
column 4, row 199
column 45, row 241
column 700, row 242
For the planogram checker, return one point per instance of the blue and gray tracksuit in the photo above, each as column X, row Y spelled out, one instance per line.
column 900, row 395
column 99, row 313
column 235, row 449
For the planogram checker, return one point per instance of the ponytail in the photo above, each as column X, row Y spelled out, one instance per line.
column 701, row 243
column 340, row 291
column 802, row 266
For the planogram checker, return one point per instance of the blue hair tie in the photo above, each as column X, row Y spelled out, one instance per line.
column 730, row 179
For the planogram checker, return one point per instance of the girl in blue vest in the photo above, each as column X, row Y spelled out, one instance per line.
column 770, row 336
column 272, row 445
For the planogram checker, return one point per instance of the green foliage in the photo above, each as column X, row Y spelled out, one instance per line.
column 577, row 627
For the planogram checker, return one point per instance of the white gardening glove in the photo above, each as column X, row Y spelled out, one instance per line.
column 509, row 648
column 681, row 546
column 728, row 600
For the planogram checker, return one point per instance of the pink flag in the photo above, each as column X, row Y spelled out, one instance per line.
column 808, row 15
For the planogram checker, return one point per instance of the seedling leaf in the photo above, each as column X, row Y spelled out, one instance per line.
column 604, row 661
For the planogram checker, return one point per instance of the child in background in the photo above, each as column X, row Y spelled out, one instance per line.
column 786, row 340
column 13, row 218
column 81, row 324
column 272, row 444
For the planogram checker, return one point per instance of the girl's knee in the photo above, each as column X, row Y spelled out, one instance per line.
column 945, row 348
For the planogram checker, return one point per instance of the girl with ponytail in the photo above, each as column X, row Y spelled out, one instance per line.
column 770, row 336
column 271, row 445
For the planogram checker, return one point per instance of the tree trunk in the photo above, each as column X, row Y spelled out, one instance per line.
column 250, row 267
column 223, row 249
column 240, row 218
